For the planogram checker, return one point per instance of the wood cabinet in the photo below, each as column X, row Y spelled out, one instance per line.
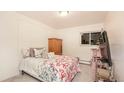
column 55, row 45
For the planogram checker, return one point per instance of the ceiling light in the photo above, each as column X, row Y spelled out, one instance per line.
column 63, row 13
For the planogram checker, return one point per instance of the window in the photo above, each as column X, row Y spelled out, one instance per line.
column 85, row 38
column 92, row 38
column 95, row 38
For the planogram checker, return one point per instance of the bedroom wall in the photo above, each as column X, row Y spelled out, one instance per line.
column 114, row 24
column 33, row 33
column 8, row 45
column 17, row 32
column 71, row 41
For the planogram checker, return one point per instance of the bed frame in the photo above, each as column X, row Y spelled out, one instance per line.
column 24, row 72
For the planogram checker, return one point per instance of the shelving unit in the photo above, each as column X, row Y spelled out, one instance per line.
column 101, row 70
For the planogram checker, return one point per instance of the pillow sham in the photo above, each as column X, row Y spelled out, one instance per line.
column 26, row 52
column 34, row 52
column 38, row 52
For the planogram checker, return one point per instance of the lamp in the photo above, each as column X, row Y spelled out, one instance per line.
column 63, row 13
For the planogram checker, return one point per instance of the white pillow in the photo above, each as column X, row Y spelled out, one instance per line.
column 51, row 55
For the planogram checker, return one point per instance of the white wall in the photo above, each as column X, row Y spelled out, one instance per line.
column 8, row 45
column 17, row 32
column 33, row 33
column 114, row 24
column 71, row 41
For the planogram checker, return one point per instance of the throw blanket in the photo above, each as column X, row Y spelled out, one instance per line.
column 62, row 68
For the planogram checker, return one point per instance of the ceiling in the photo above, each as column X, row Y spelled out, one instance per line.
column 77, row 18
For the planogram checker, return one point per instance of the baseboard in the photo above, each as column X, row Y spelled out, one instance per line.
column 85, row 62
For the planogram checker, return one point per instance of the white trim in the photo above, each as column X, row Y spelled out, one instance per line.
column 85, row 62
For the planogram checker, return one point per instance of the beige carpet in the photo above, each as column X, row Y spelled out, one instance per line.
column 83, row 76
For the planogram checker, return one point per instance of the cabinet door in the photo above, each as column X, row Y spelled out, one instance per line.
column 51, row 43
column 55, row 48
column 59, row 47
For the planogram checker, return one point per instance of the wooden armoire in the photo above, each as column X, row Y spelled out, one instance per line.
column 55, row 45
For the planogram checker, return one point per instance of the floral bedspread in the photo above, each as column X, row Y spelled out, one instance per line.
column 62, row 68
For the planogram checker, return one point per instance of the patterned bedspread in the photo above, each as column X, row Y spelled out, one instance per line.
column 60, row 69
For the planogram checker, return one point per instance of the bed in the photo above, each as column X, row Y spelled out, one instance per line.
column 59, row 69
